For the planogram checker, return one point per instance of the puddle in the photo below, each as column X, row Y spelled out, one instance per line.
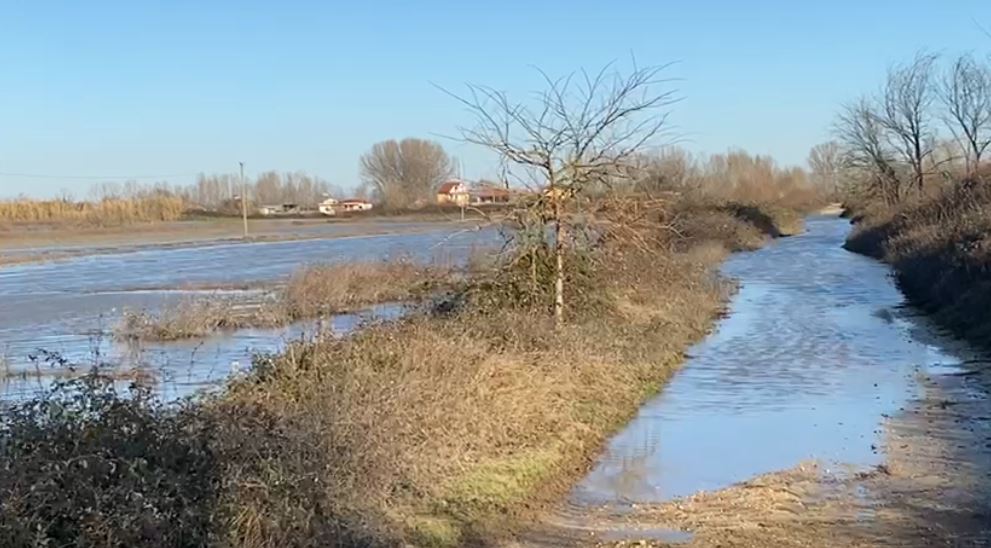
column 818, row 346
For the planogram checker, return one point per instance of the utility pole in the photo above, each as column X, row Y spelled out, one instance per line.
column 244, row 202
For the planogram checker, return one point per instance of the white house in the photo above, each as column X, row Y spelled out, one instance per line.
column 328, row 207
column 355, row 205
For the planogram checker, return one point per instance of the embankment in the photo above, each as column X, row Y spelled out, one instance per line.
column 940, row 250
column 440, row 429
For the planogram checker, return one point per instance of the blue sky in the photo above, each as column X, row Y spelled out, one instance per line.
column 99, row 89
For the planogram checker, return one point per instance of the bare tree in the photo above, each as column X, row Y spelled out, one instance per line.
column 582, row 130
column 965, row 91
column 907, row 114
column 861, row 133
column 401, row 173
column 826, row 165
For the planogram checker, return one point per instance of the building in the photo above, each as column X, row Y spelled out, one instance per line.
column 354, row 205
column 328, row 207
column 284, row 209
column 488, row 195
column 453, row 192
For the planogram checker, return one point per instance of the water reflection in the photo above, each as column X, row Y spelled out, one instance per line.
column 818, row 345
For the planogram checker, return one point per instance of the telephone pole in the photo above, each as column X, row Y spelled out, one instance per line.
column 244, row 201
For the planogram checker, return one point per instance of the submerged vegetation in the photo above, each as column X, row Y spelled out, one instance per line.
column 312, row 291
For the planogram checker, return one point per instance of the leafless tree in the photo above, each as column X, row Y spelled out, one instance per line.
column 401, row 173
column 860, row 131
column 581, row 131
column 907, row 114
column 826, row 165
column 965, row 91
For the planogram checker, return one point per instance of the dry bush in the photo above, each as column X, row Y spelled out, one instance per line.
column 721, row 226
column 740, row 227
column 334, row 288
column 441, row 427
column 107, row 212
column 311, row 291
column 736, row 177
column 87, row 466
column 940, row 248
column 197, row 317
column 436, row 424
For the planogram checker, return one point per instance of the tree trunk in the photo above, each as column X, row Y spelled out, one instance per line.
column 558, row 254
column 558, row 269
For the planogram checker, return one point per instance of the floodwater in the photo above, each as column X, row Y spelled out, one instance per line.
column 818, row 347
column 71, row 306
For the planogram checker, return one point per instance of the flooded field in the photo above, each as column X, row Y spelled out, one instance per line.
column 818, row 348
column 71, row 306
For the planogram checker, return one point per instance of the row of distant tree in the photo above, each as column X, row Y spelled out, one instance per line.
column 929, row 122
column 396, row 174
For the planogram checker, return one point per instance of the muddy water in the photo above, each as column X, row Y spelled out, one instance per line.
column 71, row 306
column 817, row 349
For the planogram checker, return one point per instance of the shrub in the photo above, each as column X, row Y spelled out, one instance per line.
column 940, row 249
column 86, row 466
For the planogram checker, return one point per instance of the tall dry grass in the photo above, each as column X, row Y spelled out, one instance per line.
column 433, row 426
column 311, row 291
column 107, row 212
column 444, row 428
column 735, row 178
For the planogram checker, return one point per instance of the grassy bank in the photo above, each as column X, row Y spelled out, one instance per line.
column 940, row 249
column 441, row 429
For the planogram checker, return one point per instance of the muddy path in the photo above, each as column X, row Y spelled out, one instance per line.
column 823, row 411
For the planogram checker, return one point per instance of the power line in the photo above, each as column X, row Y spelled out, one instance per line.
column 94, row 177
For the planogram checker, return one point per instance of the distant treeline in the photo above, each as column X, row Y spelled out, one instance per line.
column 734, row 176
column 122, row 203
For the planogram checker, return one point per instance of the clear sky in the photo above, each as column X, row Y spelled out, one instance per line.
column 139, row 88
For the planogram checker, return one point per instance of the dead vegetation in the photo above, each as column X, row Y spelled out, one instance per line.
column 439, row 429
column 940, row 248
column 435, row 425
column 922, row 199
column 446, row 428
column 105, row 212
column 313, row 291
